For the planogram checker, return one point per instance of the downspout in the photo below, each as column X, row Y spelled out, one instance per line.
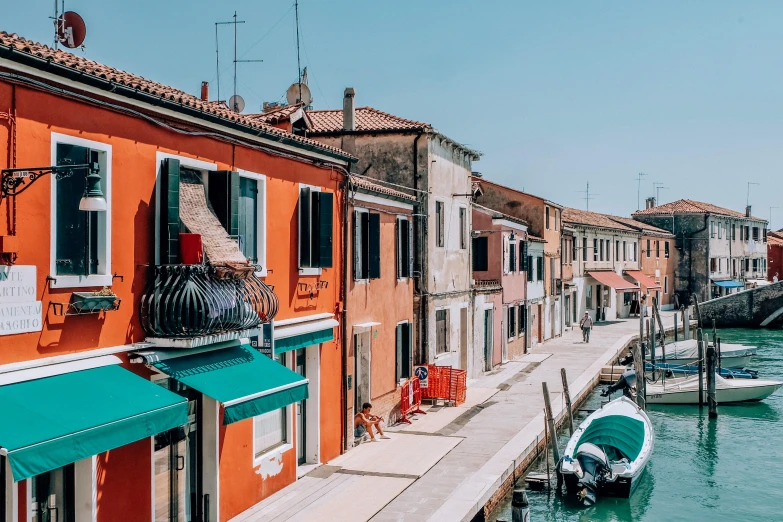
column 420, row 235
column 343, row 297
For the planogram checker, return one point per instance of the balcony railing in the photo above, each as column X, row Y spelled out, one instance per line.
column 186, row 301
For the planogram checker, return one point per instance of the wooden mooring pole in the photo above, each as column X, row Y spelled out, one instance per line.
column 567, row 401
column 638, row 364
column 551, row 424
column 700, row 344
column 676, row 333
column 711, row 397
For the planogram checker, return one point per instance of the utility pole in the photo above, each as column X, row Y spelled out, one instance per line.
column 747, row 199
column 639, row 190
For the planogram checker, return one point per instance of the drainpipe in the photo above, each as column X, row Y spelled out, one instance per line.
column 343, row 296
column 420, row 234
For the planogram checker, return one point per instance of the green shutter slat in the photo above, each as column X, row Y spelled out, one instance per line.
column 399, row 333
column 398, row 247
column 523, row 258
column 325, row 226
column 406, row 352
column 169, row 212
column 357, row 246
column 304, row 227
column 375, row 246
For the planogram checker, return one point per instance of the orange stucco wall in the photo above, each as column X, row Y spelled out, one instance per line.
column 659, row 262
column 134, row 145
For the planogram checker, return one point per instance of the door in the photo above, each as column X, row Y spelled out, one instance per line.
column 52, row 496
column 301, row 412
column 463, row 338
column 599, row 303
column 567, row 307
column 540, row 323
column 178, row 490
column 488, row 340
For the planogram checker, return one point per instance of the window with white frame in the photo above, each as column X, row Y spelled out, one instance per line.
column 81, row 240
column 315, row 228
column 270, row 430
column 512, row 326
column 252, row 217
column 366, row 245
column 440, row 216
column 441, row 331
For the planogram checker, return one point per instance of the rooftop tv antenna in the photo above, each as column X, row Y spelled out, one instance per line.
column 298, row 63
column 588, row 196
column 747, row 199
column 658, row 186
column 235, row 97
column 639, row 190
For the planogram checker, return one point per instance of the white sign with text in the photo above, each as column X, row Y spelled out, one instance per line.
column 19, row 310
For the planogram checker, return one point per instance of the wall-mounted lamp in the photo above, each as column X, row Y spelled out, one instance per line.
column 15, row 181
column 512, row 237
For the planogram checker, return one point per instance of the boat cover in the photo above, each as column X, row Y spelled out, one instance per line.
column 689, row 349
column 619, row 431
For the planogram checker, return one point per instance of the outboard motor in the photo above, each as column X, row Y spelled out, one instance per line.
column 595, row 470
column 626, row 382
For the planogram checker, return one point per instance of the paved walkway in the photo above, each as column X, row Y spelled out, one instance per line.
column 448, row 463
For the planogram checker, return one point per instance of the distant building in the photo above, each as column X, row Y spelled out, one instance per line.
column 720, row 250
column 606, row 252
column 775, row 255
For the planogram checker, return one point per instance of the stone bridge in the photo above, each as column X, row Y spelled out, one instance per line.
column 758, row 307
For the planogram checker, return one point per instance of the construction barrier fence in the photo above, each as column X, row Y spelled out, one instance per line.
column 445, row 383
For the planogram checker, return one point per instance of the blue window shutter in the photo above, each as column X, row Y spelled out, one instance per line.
column 325, row 226
column 169, row 212
column 374, row 246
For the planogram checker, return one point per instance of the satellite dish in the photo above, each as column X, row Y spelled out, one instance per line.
column 293, row 97
column 236, row 103
column 71, row 30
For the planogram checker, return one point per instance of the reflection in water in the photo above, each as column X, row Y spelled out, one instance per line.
column 701, row 470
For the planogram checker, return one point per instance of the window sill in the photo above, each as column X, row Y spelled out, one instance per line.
column 274, row 452
column 310, row 271
column 74, row 281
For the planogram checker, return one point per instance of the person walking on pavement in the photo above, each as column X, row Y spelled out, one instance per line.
column 586, row 324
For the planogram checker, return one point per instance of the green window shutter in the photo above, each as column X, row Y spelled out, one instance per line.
column 540, row 268
column 523, row 256
column 169, row 212
column 399, row 337
column 223, row 195
column 407, row 352
column 374, row 246
column 398, row 247
column 512, row 254
column 529, row 268
column 358, row 245
column 304, row 227
column 248, row 218
column 325, row 226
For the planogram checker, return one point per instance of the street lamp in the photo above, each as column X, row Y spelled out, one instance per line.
column 15, row 181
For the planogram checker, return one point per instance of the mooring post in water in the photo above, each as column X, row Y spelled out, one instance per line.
column 700, row 345
column 520, row 506
column 567, row 401
column 638, row 366
column 546, row 448
column 711, row 397
column 720, row 361
column 686, row 323
column 676, row 336
column 651, row 325
column 551, row 424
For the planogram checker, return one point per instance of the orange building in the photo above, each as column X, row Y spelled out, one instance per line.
column 379, row 300
column 209, row 425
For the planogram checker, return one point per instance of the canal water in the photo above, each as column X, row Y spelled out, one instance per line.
column 727, row 469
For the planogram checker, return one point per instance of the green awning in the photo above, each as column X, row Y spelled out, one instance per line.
column 245, row 381
column 295, row 342
column 50, row 422
column 619, row 431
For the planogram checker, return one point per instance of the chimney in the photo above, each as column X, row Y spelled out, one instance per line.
column 205, row 91
column 747, row 211
column 649, row 203
column 349, row 109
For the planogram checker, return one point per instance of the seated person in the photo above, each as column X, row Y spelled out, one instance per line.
column 364, row 421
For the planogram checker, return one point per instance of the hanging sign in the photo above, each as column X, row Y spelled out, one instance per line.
column 19, row 310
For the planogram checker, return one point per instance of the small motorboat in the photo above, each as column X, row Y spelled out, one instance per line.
column 683, row 353
column 607, row 454
column 685, row 390
column 692, row 369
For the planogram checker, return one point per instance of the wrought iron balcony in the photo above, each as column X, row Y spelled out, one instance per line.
column 186, row 301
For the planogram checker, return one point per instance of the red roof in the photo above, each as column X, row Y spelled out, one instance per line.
column 643, row 279
column 592, row 219
column 94, row 69
column 612, row 280
column 775, row 239
column 277, row 115
column 689, row 206
column 367, row 120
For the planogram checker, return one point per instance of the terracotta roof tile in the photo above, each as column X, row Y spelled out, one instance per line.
column 367, row 120
column 775, row 238
column 644, row 227
column 689, row 206
column 95, row 69
column 592, row 219
column 277, row 115
column 366, row 184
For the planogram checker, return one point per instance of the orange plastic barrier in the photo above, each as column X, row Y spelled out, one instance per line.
column 410, row 399
column 446, row 383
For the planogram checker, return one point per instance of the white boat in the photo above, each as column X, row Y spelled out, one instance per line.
column 607, row 454
column 685, row 390
column 687, row 352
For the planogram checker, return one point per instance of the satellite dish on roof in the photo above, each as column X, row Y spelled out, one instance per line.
column 71, row 30
column 236, row 103
column 293, row 96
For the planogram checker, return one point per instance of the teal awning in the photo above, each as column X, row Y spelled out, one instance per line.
column 50, row 422
column 245, row 381
column 295, row 342
column 730, row 283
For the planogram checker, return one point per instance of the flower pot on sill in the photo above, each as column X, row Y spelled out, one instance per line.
column 89, row 302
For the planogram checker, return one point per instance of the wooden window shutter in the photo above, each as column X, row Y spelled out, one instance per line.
column 409, row 250
column 523, row 256
column 529, row 268
column 407, row 350
column 399, row 357
column 304, row 227
column 512, row 257
column 358, row 245
column 223, row 195
column 375, row 246
column 398, row 247
column 325, row 227
column 169, row 212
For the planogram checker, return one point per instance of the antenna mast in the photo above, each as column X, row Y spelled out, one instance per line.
column 298, row 63
column 236, row 60
column 747, row 200
column 587, row 197
column 639, row 190
column 658, row 186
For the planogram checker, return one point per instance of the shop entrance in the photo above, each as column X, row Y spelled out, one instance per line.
column 52, row 496
column 178, row 487
column 301, row 412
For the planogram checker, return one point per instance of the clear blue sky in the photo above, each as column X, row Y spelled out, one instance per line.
column 555, row 94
